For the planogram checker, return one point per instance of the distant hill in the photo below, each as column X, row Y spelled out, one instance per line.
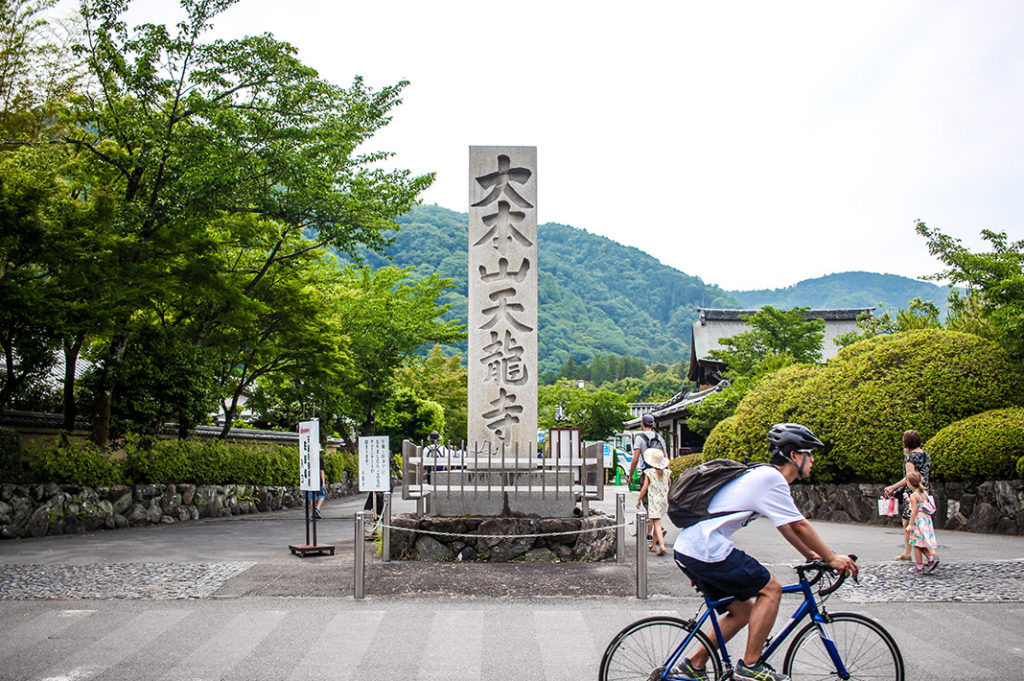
column 847, row 289
column 595, row 295
column 598, row 296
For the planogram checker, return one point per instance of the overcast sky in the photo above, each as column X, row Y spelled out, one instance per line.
column 752, row 144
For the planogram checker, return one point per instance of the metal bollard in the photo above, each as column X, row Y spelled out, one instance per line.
column 641, row 554
column 385, row 529
column 359, row 565
column 620, row 530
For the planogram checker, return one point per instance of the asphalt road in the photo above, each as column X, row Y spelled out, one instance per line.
column 225, row 599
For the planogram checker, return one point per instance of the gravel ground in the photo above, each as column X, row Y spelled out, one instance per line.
column 982, row 582
column 116, row 580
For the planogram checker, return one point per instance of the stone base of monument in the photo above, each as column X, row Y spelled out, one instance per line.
column 503, row 539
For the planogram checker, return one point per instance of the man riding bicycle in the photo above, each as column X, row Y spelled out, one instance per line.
column 706, row 553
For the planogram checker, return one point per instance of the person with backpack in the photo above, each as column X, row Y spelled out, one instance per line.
column 644, row 439
column 704, row 549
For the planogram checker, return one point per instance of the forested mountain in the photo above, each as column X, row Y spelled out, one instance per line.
column 598, row 296
column 847, row 289
column 595, row 295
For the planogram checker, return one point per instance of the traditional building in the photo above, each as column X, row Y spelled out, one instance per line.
column 713, row 325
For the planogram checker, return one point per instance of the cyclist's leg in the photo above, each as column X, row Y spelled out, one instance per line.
column 762, row 619
column 738, row 575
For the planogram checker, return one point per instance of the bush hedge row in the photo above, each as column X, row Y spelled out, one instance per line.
column 200, row 462
column 862, row 400
column 986, row 446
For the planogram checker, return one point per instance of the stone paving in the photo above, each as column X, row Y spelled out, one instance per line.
column 981, row 582
column 116, row 580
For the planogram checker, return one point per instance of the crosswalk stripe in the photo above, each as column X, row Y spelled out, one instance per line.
column 116, row 646
column 567, row 649
column 336, row 653
column 37, row 628
column 451, row 645
column 226, row 650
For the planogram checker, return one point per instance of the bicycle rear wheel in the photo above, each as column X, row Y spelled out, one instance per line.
column 639, row 652
column 866, row 648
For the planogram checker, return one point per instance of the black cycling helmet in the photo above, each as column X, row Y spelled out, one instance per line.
column 787, row 437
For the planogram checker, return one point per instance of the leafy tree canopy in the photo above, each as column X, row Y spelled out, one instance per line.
column 993, row 304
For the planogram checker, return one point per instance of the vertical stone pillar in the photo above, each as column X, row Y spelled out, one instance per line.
column 503, row 298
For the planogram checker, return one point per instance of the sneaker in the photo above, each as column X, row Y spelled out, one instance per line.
column 316, row 513
column 691, row 672
column 933, row 563
column 916, row 568
column 759, row 672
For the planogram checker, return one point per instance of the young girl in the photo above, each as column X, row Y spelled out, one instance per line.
column 920, row 528
column 656, row 480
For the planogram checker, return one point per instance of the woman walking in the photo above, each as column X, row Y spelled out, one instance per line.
column 916, row 460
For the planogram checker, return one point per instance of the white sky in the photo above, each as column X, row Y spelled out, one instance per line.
column 753, row 144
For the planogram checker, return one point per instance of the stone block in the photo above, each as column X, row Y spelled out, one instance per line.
column 428, row 548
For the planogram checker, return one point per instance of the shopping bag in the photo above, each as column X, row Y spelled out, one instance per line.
column 888, row 506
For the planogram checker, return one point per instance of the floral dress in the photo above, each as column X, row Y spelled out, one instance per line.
column 923, row 535
column 657, row 491
column 923, row 465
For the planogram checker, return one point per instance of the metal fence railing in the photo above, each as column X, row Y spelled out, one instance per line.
column 485, row 471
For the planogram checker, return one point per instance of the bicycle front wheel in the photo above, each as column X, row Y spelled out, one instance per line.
column 639, row 652
column 865, row 647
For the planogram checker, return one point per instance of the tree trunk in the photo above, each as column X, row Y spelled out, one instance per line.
column 229, row 417
column 105, row 391
column 72, row 348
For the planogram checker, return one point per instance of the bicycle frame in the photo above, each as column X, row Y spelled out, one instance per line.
column 809, row 607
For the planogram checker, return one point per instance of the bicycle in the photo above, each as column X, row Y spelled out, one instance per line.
column 853, row 646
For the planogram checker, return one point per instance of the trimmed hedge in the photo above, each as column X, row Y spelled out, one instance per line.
column 862, row 400
column 769, row 402
column 200, row 462
column 986, row 446
column 681, row 463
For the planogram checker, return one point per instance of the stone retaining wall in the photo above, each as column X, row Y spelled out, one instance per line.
column 995, row 507
column 39, row 510
column 586, row 546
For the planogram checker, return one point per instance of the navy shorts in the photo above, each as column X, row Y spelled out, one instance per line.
column 738, row 575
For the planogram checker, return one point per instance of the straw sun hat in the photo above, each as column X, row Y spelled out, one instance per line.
column 655, row 458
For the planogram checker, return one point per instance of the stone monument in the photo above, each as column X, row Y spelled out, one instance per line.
column 502, row 335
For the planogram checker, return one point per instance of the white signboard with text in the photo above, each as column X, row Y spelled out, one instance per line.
column 374, row 468
column 309, row 455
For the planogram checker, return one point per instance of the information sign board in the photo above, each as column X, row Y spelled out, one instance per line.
column 374, row 471
column 309, row 455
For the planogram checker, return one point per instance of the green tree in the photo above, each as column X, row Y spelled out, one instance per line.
column 183, row 132
column 994, row 303
column 919, row 314
column 443, row 380
column 387, row 318
column 772, row 332
column 777, row 339
column 597, row 413
column 407, row 417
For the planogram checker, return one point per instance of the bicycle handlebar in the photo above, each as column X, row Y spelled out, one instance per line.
column 822, row 568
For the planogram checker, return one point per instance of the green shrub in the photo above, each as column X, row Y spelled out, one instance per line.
column 745, row 433
column 74, row 463
column 213, row 462
column 862, row 400
column 10, row 455
column 986, row 446
column 681, row 463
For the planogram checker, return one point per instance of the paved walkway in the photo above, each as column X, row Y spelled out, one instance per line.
column 224, row 599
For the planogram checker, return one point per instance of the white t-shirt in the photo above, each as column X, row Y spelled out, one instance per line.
column 761, row 491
